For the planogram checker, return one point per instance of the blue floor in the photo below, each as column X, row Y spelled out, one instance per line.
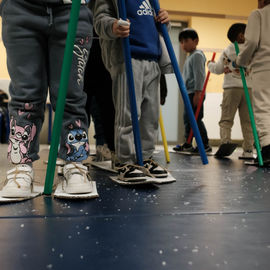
column 214, row 216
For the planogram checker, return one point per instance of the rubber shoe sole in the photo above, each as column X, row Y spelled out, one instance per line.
column 15, row 192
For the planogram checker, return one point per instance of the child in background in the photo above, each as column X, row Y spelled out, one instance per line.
column 256, row 51
column 34, row 34
column 234, row 94
column 194, row 77
column 146, row 52
column 99, row 103
column 103, row 153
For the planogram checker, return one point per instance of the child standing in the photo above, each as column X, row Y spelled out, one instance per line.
column 34, row 34
column 256, row 51
column 99, row 103
column 145, row 52
column 194, row 77
column 234, row 94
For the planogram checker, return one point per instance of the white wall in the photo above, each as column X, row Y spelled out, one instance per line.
column 173, row 109
column 4, row 83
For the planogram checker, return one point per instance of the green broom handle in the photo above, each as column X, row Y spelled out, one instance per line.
column 251, row 115
column 61, row 100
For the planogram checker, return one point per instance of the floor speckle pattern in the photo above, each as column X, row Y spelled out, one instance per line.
column 215, row 216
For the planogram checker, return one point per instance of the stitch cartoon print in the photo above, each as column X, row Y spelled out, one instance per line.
column 77, row 144
column 19, row 142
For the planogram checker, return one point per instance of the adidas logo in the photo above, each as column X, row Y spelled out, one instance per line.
column 145, row 9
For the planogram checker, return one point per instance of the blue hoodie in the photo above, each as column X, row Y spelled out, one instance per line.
column 144, row 37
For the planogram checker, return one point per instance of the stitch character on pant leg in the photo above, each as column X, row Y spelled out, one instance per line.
column 77, row 144
column 19, row 142
column 35, row 39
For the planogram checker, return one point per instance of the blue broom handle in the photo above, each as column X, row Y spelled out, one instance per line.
column 182, row 86
column 130, row 79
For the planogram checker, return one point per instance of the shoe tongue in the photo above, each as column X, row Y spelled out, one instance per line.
column 25, row 166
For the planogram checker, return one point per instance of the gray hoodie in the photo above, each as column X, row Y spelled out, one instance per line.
column 105, row 13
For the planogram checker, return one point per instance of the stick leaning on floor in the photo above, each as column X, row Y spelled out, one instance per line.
column 64, row 80
column 250, row 111
column 130, row 79
column 182, row 86
column 163, row 135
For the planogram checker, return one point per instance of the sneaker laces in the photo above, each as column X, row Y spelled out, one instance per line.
column 151, row 162
column 133, row 166
column 81, row 171
column 16, row 171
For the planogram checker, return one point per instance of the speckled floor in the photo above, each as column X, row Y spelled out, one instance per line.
column 214, row 216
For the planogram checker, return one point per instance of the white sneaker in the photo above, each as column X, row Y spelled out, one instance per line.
column 103, row 153
column 248, row 154
column 19, row 182
column 115, row 162
column 78, row 178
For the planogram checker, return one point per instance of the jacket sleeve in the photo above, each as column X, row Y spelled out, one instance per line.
column 252, row 39
column 105, row 14
column 198, row 69
column 217, row 67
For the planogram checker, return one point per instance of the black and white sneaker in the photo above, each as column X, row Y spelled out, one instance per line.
column 207, row 148
column 155, row 169
column 186, row 147
column 131, row 173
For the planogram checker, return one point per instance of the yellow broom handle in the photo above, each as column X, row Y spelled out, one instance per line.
column 164, row 140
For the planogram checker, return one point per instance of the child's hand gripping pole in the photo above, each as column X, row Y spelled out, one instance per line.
column 64, row 80
column 181, row 86
column 163, row 135
column 250, row 111
column 130, row 79
column 201, row 100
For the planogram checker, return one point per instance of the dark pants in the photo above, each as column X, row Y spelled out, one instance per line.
column 101, row 89
column 200, row 123
column 95, row 115
column 34, row 35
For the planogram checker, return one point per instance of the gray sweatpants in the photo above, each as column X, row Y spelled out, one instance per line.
column 146, row 79
column 34, row 35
